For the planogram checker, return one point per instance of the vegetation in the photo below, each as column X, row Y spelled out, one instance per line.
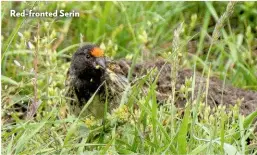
column 217, row 38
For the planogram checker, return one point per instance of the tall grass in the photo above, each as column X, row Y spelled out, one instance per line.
column 131, row 30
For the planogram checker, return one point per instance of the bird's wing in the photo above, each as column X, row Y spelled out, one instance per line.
column 70, row 96
column 116, row 83
column 69, row 91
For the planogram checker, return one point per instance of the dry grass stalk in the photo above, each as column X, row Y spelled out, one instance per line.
column 229, row 11
column 175, row 62
column 35, row 103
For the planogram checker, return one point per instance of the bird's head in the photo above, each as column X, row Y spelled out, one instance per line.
column 88, row 61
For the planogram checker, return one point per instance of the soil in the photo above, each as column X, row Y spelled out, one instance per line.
column 218, row 94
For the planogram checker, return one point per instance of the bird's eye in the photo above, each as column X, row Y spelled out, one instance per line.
column 87, row 56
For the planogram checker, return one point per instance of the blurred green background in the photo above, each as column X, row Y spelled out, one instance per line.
column 122, row 29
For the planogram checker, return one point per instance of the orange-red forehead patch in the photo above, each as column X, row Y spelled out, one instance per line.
column 97, row 52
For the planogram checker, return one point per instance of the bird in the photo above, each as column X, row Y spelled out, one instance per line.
column 93, row 75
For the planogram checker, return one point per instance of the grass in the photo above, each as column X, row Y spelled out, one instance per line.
column 128, row 30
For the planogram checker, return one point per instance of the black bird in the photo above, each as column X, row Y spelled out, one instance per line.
column 91, row 72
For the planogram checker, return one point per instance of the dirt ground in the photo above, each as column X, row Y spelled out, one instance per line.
column 217, row 92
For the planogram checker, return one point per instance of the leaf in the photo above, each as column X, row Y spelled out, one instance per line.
column 8, row 80
column 249, row 119
column 182, row 133
column 247, row 123
column 199, row 149
column 230, row 149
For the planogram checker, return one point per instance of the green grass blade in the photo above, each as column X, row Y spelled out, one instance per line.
column 7, row 80
column 182, row 133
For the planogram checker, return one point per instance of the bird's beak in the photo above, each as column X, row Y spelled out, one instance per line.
column 100, row 63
